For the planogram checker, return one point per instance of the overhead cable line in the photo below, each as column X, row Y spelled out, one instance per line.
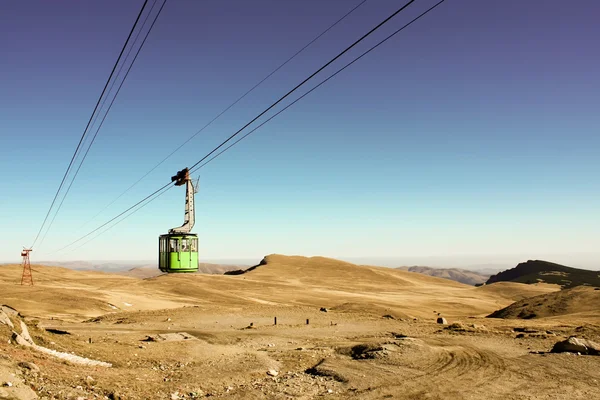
column 320, row 84
column 133, row 211
column 228, row 108
column 122, row 65
column 89, row 122
column 108, row 109
column 262, row 124
column 304, row 81
column 117, row 216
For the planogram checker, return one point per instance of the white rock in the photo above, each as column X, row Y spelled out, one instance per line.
column 5, row 320
column 272, row 372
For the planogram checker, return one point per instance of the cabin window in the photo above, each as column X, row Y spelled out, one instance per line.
column 184, row 245
column 174, row 246
column 194, row 244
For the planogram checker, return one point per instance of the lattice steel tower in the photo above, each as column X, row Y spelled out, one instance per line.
column 26, row 278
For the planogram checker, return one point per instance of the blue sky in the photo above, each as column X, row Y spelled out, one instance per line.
column 473, row 132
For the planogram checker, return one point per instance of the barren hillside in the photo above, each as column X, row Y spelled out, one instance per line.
column 293, row 327
column 534, row 271
column 455, row 274
column 578, row 300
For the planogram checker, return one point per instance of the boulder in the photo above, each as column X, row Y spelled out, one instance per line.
column 576, row 345
column 9, row 311
column 442, row 320
column 4, row 319
column 25, row 333
column 19, row 340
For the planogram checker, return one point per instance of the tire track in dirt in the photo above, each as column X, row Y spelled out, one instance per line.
column 438, row 365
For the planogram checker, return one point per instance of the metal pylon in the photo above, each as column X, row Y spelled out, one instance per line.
column 26, row 278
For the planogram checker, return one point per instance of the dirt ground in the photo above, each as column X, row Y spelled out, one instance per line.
column 197, row 336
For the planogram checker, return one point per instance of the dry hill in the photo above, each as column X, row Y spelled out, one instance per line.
column 578, row 300
column 203, row 268
column 455, row 274
column 281, row 280
column 534, row 271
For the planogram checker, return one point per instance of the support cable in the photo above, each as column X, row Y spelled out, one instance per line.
column 88, row 124
column 256, row 128
column 305, row 80
column 226, row 109
column 317, row 86
column 106, row 114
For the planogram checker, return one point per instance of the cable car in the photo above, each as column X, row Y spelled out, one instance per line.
column 178, row 249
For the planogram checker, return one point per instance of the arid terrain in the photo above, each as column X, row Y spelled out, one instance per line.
column 342, row 331
column 456, row 274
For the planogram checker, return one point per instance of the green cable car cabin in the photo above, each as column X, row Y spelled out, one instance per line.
column 178, row 252
column 178, row 249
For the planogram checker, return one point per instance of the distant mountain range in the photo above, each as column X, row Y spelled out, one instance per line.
column 456, row 274
column 534, row 271
column 140, row 269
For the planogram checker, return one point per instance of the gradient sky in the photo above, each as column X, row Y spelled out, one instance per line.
column 473, row 132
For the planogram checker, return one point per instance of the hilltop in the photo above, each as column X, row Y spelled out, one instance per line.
column 534, row 271
column 455, row 274
column 307, row 281
column 578, row 300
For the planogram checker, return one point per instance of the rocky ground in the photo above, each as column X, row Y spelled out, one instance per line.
column 362, row 340
column 337, row 355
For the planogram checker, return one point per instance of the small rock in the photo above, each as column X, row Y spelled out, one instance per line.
column 29, row 365
column 272, row 372
column 576, row 345
column 442, row 321
column 175, row 396
column 323, row 309
column 329, row 391
column 7, row 384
